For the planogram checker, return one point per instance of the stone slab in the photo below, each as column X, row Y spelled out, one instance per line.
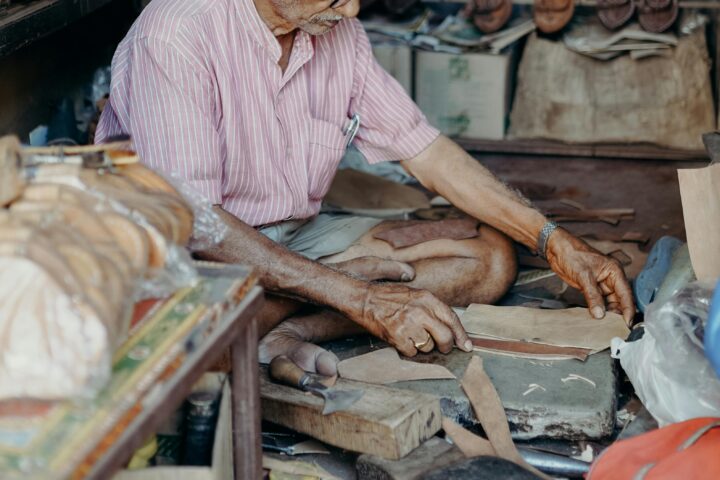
column 572, row 409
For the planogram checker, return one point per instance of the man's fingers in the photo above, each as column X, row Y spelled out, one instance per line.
column 593, row 296
column 624, row 294
column 614, row 307
column 442, row 335
column 425, row 346
column 406, row 347
column 448, row 317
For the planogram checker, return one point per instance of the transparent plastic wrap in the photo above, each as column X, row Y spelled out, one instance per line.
column 11, row 181
column 59, row 319
column 208, row 228
column 154, row 209
column 668, row 366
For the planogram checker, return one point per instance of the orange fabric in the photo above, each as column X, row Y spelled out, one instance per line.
column 662, row 447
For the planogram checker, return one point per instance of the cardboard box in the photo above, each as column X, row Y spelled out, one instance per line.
column 222, row 457
column 396, row 58
column 466, row 95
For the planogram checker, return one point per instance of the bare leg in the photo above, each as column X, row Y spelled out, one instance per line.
column 478, row 270
column 291, row 336
column 459, row 272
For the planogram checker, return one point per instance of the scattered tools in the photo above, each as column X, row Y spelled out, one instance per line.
column 283, row 370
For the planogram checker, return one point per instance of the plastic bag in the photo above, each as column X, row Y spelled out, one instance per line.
column 667, row 366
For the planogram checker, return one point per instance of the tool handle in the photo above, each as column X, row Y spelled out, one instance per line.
column 283, row 370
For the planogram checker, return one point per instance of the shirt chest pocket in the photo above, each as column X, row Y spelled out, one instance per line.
column 326, row 149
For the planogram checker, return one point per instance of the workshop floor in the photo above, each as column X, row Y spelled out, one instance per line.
column 650, row 187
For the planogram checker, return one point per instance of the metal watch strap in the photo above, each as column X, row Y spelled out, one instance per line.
column 544, row 236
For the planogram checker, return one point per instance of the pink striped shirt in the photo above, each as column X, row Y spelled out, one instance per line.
column 197, row 85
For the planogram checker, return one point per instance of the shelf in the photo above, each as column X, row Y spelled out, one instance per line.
column 548, row 147
column 173, row 341
column 22, row 24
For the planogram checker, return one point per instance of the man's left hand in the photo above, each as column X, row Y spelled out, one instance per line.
column 600, row 278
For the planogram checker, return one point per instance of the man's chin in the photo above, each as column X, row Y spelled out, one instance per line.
column 319, row 28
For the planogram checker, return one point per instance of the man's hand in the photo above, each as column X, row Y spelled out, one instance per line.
column 599, row 277
column 411, row 320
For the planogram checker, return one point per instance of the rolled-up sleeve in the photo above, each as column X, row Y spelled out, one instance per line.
column 392, row 127
column 169, row 111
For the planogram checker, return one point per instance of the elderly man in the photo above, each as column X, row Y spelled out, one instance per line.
column 249, row 101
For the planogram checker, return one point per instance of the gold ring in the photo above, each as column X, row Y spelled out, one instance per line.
column 424, row 344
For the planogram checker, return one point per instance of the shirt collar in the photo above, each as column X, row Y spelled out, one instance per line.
column 249, row 16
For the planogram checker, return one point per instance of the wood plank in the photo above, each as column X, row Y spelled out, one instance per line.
column 387, row 422
column 549, row 147
column 246, row 405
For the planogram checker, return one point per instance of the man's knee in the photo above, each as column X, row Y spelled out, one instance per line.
column 499, row 261
column 503, row 264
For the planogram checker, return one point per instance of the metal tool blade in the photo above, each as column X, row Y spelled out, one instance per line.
column 335, row 399
column 554, row 464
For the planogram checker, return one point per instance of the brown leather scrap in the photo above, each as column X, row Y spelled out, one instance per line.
column 470, row 445
column 452, row 229
column 527, row 349
column 657, row 15
column 490, row 15
column 552, row 15
column 615, row 13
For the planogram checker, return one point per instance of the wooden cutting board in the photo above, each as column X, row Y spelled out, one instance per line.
column 387, row 422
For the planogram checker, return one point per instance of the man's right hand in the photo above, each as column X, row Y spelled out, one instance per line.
column 411, row 320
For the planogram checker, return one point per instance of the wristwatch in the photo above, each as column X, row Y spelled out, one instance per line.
column 543, row 238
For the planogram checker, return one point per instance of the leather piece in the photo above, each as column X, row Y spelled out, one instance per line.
column 657, row 15
column 613, row 14
column 385, row 366
column 491, row 15
column 355, row 191
column 470, row 445
column 490, row 412
column 452, row 229
column 573, row 327
column 552, row 15
column 529, row 350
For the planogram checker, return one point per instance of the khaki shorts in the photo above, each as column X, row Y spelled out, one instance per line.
column 320, row 236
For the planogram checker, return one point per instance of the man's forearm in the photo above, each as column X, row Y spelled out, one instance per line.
column 283, row 271
column 448, row 170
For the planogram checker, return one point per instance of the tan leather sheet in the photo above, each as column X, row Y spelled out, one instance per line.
column 700, row 195
column 452, row 229
column 386, row 366
column 572, row 327
column 470, row 445
column 358, row 191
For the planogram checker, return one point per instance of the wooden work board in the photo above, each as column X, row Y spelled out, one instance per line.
column 387, row 422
